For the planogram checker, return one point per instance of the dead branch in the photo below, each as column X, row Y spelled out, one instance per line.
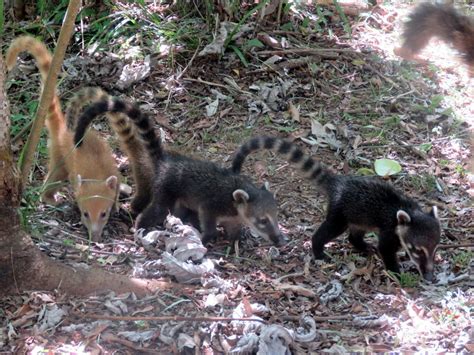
column 167, row 318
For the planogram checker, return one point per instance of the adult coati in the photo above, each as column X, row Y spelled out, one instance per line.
column 361, row 204
column 91, row 171
column 215, row 194
column 438, row 20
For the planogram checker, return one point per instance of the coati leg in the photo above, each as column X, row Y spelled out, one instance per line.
column 388, row 247
column 138, row 204
column 157, row 210
column 356, row 238
column 153, row 215
column 208, row 226
column 187, row 216
column 331, row 228
column 57, row 173
column 233, row 231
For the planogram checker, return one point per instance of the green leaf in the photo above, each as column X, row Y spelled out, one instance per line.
column 287, row 26
column 358, row 62
column 239, row 54
column 255, row 42
column 365, row 172
column 386, row 167
column 425, row 147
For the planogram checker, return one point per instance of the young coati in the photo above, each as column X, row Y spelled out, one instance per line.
column 134, row 147
column 361, row 204
column 438, row 20
column 91, row 171
column 215, row 194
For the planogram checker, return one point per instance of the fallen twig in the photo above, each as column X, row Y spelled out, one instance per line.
column 167, row 318
column 112, row 338
column 451, row 246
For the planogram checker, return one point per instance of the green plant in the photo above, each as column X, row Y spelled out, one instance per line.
column 463, row 259
column 409, row 279
column 423, row 182
column 346, row 23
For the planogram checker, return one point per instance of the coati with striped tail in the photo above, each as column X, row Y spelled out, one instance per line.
column 215, row 194
column 361, row 204
column 438, row 20
column 134, row 147
column 91, row 170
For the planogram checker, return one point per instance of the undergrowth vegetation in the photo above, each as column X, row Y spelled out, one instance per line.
column 304, row 72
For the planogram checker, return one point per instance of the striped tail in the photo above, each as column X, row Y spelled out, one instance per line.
column 79, row 101
column 115, row 105
column 43, row 58
column 36, row 48
column 312, row 169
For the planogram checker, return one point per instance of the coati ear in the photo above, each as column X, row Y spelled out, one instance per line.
column 403, row 217
column 266, row 186
column 240, row 196
column 111, row 182
column 434, row 212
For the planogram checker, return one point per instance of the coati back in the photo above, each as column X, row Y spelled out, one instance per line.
column 91, row 171
column 438, row 20
column 361, row 204
column 215, row 194
column 130, row 141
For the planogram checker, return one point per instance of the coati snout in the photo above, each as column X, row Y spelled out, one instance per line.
column 259, row 213
column 95, row 200
column 419, row 237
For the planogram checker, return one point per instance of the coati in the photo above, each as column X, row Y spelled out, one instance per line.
column 361, row 204
column 91, row 170
column 438, row 20
column 215, row 194
column 130, row 141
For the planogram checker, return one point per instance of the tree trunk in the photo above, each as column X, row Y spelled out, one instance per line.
column 22, row 266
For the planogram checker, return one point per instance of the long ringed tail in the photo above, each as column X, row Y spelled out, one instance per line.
column 43, row 59
column 313, row 170
column 79, row 101
column 133, row 112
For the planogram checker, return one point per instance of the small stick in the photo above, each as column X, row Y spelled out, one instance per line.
column 452, row 246
column 168, row 318
column 112, row 338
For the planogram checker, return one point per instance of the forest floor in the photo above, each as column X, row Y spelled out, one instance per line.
column 347, row 101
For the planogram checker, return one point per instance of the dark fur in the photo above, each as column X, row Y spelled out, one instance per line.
column 192, row 186
column 361, row 204
column 442, row 21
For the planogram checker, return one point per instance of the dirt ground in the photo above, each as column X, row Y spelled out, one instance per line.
column 346, row 101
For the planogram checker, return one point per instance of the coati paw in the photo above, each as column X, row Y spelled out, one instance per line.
column 322, row 256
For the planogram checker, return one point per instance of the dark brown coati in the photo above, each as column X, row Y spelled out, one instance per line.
column 217, row 195
column 442, row 21
column 134, row 147
column 361, row 204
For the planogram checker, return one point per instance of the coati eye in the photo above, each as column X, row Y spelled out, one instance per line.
column 86, row 214
column 262, row 221
column 103, row 214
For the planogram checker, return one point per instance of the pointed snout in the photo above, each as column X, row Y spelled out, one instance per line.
column 280, row 239
column 96, row 233
column 428, row 276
